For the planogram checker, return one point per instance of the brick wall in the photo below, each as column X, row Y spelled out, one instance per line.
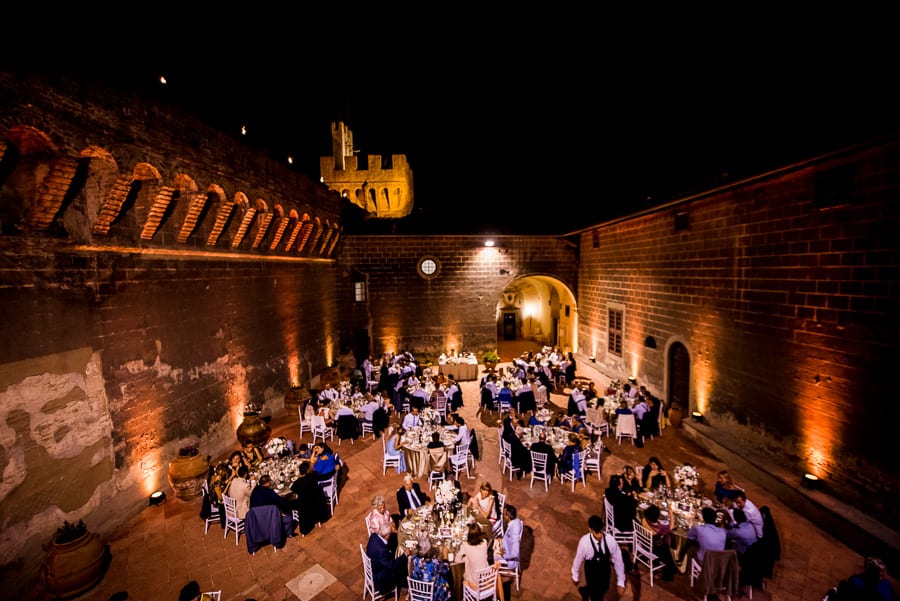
column 407, row 312
column 785, row 296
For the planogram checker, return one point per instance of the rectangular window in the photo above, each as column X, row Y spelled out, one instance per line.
column 615, row 332
column 359, row 291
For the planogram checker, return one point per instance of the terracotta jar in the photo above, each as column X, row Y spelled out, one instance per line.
column 294, row 398
column 186, row 475
column 73, row 567
column 676, row 415
column 254, row 430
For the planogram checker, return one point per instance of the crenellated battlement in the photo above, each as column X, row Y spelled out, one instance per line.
column 383, row 188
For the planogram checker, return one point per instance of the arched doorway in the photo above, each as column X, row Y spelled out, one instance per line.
column 679, row 366
column 540, row 309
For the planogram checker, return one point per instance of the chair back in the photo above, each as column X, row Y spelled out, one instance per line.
column 369, row 585
column 487, row 582
column 214, row 595
column 643, row 538
column 420, row 590
column 230, row 504
column 539, row 463
column 626, row 427
column 318, row 422
column 620, row 536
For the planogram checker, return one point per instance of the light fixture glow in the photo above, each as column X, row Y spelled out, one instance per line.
column 489, row 243
column 697, row 416
column 811, row 481
column 157, row 498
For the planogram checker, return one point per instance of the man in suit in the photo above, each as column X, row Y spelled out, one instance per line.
column 388, row 571
column 410, row 495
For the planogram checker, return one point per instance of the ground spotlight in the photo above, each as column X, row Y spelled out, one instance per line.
column 697, row 416
column 811, row 481
column 157, row 498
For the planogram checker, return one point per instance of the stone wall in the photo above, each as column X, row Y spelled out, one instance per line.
column 458, row 307
column 784, row 291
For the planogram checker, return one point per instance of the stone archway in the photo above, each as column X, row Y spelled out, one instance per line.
column 540, row 309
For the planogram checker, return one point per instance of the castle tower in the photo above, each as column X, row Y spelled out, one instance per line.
column 383, row 187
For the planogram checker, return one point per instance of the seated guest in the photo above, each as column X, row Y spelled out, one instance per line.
column 624, row 505
column 704, row 537
column 662, row 541
column 725, row 487
column 328, row 394
column 388, row 571
column 591, row 395
column 630, row 481
column 654, row 475
column 462, row 430
column 577, row 403
column 542, row 446
column 344, row 409
column 474, row 554
column 325, row 413
column 252, row 455
column 435, row 442
column 394, row 448
column 533, row 420
column 412, row 419
column 739, row 533
column 410, row 495
column 379, row 514
column 568, row 455
column 264, row 495
column 324, row 462
column 239, row 489
column 521, row 457
column 512, row 537
column 623, row 408
column 427, row 566
column 310, row 502
column 754, row 516
column 485, row 502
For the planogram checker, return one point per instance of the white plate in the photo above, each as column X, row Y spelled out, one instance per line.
column 644, row 505
column 410, row 544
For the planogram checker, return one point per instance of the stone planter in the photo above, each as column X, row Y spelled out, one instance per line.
column 73, row 567
column 186, row 476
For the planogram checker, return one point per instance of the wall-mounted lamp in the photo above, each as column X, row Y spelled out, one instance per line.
column 488, row 243
column 157, row 498
column 811, row 481
column 697, row 416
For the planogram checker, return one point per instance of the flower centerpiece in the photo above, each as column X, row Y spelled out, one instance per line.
column 687, row 476
column 446, row 502
column 276, row 446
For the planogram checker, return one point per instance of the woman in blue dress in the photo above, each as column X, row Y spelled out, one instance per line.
column 393, row 448
column 427, row 566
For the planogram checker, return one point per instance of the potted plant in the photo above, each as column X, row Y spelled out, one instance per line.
column 76, row 561
column 490, row 359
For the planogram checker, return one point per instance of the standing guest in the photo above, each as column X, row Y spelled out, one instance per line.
column 870, row 584
column 570, row 368
column 725, row 487
column 577, row 402
column 591, row 395
column 512, row 537
column 600, row 554
column 410, row 496
column 239, row 489
column 311, row 504
column 521, row 457
column 654, row 475
column 388, row 571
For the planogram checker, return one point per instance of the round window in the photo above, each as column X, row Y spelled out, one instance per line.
column 429, row 267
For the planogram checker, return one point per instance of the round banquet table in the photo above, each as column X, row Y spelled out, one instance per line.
column 680, row 515
column 415, row 448
column 445, row 538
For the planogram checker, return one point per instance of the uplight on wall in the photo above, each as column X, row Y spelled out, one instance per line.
column 157, row 498
column 697, row 416
column 489, row 243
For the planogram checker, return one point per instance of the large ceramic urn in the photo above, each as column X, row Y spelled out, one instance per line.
column 294, row 399
column 186, row 475
column 254, row 431
column 74, row 565
column 676, row 415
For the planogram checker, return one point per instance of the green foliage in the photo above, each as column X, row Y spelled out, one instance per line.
column 490, row 357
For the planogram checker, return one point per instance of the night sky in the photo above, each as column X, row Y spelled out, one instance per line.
column 538, row 126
